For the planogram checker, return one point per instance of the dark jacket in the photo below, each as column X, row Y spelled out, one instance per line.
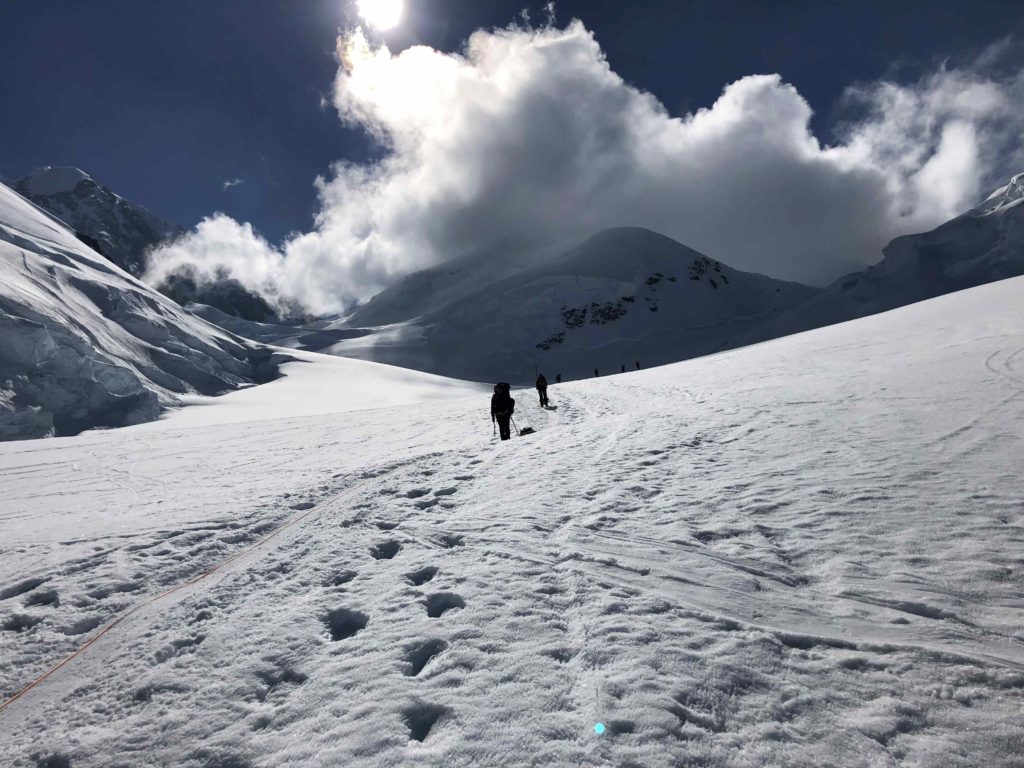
column 542, row 383
column 502, row 404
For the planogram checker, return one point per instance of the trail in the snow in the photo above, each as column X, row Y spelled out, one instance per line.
column 804, row 553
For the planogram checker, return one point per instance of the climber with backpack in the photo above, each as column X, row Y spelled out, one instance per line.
column 503, row 405
column 542, row 390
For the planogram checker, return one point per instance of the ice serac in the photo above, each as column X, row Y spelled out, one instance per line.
column 121, row 230
column 84, row 344
column 623, row 296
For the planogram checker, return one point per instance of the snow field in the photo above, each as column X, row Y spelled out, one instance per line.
column 803, row 553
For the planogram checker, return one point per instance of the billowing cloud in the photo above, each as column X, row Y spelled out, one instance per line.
column 528, row 136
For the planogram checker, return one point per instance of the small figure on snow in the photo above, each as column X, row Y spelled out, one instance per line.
column 542, row 390
column 502, row 407
column 558, row 379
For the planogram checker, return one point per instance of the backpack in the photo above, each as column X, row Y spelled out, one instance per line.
column 504, row 386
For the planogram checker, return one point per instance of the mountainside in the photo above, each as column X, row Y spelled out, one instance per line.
column 124, row 232
column 624, row 296
column 804, row 553
column 117, row 228
column 983, row 245
column 84, row 344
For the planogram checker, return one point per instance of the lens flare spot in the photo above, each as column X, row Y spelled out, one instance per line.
column 382, row 14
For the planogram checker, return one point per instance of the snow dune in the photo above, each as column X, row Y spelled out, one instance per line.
column 803, row 553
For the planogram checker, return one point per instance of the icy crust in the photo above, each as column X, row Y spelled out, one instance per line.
column 83, row 344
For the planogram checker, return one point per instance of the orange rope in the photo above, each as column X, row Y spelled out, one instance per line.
column 194, row 580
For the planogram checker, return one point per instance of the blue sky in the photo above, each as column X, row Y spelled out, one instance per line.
column 166, row 101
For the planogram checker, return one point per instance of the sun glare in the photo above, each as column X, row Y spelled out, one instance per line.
column 382, row 14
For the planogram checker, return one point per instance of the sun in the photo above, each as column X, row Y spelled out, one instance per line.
column 382, row 14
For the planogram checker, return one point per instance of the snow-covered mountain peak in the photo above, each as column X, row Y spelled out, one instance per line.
column 52, row 180
column 117, row 228
column 1005, row 195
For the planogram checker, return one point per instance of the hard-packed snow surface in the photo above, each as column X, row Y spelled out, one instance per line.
column 119, row 229
column 84, row 344
column 624, row 296
column 805, row 553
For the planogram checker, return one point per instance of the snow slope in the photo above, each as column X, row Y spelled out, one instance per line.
column 119, row 229
column 803, row 553
column 624, row 295
column 84, row 344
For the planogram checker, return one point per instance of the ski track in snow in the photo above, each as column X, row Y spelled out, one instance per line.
column 804, row 553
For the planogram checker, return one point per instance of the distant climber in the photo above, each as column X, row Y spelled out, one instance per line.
column 542, row 390
column 623, row 367
column 595, row 373
column 503, row 405
column 638, row 365
column 558, row 379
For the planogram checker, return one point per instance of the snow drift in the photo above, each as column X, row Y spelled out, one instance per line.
column 84, row 344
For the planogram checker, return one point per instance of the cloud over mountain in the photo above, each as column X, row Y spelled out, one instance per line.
column 528, row 136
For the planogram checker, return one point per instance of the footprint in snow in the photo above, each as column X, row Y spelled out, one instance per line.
column 340, row 578
column 441, row 602
column 385, row 550
column 419, row 654
column 449, row 540
column 420, row 719
column 21, row 588
column 422, row 576
column 43, row 597
column 342, row 623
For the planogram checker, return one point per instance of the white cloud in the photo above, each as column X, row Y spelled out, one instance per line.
column 528, row 136
column 229, row 183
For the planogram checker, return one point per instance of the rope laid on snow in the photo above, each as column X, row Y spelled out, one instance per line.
column 294, row 520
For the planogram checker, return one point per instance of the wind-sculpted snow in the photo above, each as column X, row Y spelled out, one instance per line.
column 804, row 553
column 83, row 344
